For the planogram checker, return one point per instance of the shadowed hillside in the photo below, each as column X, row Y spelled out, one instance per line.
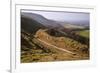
column 29, row 25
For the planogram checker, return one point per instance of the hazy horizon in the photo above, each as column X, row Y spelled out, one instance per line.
column 70, row 17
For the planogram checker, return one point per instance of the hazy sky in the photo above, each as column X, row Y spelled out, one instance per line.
column 62, row 16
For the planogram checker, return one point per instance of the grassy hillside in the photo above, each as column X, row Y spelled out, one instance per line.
column 33, row 50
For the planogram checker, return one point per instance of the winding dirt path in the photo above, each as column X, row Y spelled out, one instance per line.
column 62, row 49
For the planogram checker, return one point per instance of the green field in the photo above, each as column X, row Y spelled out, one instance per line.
column 84, row 33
